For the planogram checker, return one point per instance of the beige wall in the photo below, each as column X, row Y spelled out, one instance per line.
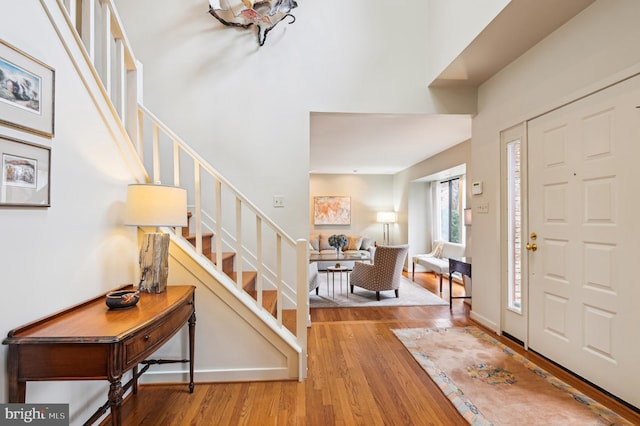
column 369, row 195
column 596, row 48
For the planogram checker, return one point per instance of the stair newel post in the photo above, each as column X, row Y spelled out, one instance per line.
column 303, row 319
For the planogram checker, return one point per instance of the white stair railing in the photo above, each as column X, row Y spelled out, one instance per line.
column 237, row 225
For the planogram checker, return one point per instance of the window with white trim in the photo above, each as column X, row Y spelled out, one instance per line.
column 448, row 210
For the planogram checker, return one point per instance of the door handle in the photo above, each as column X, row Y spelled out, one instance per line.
column 532, row 247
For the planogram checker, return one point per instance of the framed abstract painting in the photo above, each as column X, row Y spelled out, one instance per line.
column 332, row 210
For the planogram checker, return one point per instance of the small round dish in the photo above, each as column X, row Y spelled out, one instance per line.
column 122, row 299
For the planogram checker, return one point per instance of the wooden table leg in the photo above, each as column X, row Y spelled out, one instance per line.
column 115, row 401
column 192, row 338
column 450, row 291
column 134, row 389
column 17, row 389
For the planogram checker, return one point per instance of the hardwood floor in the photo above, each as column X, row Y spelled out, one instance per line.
column 359, row 374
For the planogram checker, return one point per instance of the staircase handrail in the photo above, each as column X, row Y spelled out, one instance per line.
column 186, row 148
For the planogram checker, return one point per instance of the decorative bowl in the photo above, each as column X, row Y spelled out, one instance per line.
column 122, row 299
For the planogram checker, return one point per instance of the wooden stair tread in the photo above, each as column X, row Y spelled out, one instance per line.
column 225, row 255
column 248, row 280
column 269, row 297
column 192, row 237
column 269, row 300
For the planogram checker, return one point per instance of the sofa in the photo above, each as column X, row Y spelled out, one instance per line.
column 362, row 247
column 438, row 260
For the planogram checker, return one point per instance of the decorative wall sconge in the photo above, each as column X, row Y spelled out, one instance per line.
column 264, row 15
column 467, row 217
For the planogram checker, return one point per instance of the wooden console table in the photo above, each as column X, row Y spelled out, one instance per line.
column 91, row 342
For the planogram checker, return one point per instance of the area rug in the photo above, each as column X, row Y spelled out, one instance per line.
column 489, row 384
column 411, row 294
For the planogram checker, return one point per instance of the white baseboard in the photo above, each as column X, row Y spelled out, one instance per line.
column 217, row 376
column 484, row 321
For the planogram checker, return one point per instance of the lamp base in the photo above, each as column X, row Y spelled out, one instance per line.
column 154, row 262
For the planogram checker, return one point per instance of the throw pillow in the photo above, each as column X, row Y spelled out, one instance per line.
column 366, row 243
column 354, row 243
column 437, row 251
column 314, row 240
column 324, row 242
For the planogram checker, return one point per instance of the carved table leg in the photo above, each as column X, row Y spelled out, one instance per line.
column 192, row 335
column 115, row 401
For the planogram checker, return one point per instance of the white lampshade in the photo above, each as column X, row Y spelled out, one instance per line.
column 156, row 205
column 386, row 217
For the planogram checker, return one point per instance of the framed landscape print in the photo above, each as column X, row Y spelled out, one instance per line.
column 331, row 210
column 25, row 173
column 26, row 92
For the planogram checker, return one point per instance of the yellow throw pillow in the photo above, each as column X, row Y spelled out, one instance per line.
column 354, row 243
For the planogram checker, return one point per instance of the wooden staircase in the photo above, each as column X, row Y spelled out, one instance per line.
column 269, row 297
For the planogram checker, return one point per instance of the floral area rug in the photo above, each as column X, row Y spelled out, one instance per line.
column 489, row 384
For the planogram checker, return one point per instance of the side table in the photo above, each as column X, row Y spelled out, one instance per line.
column 333, row 270
column 463, row 266
column 90, row 342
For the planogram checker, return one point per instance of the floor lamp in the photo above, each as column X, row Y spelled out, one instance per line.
column 385, row 218
column 155, row 205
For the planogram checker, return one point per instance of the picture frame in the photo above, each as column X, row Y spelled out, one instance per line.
column 26, row 92
column 25, row 172
column 332, row 210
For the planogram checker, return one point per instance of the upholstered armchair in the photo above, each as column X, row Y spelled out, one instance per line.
column 385, row 273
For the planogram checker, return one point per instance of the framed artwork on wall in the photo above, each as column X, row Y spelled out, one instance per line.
column 26, row 92
column 332, row 210
column 25, row 173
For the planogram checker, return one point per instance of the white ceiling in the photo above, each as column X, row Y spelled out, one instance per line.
column 388, row 143
column 381, row 143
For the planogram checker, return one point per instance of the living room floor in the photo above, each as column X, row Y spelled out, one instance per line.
column 382, row 385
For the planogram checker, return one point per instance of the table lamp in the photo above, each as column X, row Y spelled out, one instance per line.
column 155, row 205
column 385, row 218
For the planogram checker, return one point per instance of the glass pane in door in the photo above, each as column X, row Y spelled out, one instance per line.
column 514, row 208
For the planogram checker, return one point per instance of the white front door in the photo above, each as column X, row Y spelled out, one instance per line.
column 584, row 307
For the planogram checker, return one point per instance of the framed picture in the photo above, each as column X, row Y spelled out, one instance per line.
column 25, row 173
column 331, row 210
column 26, row 92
